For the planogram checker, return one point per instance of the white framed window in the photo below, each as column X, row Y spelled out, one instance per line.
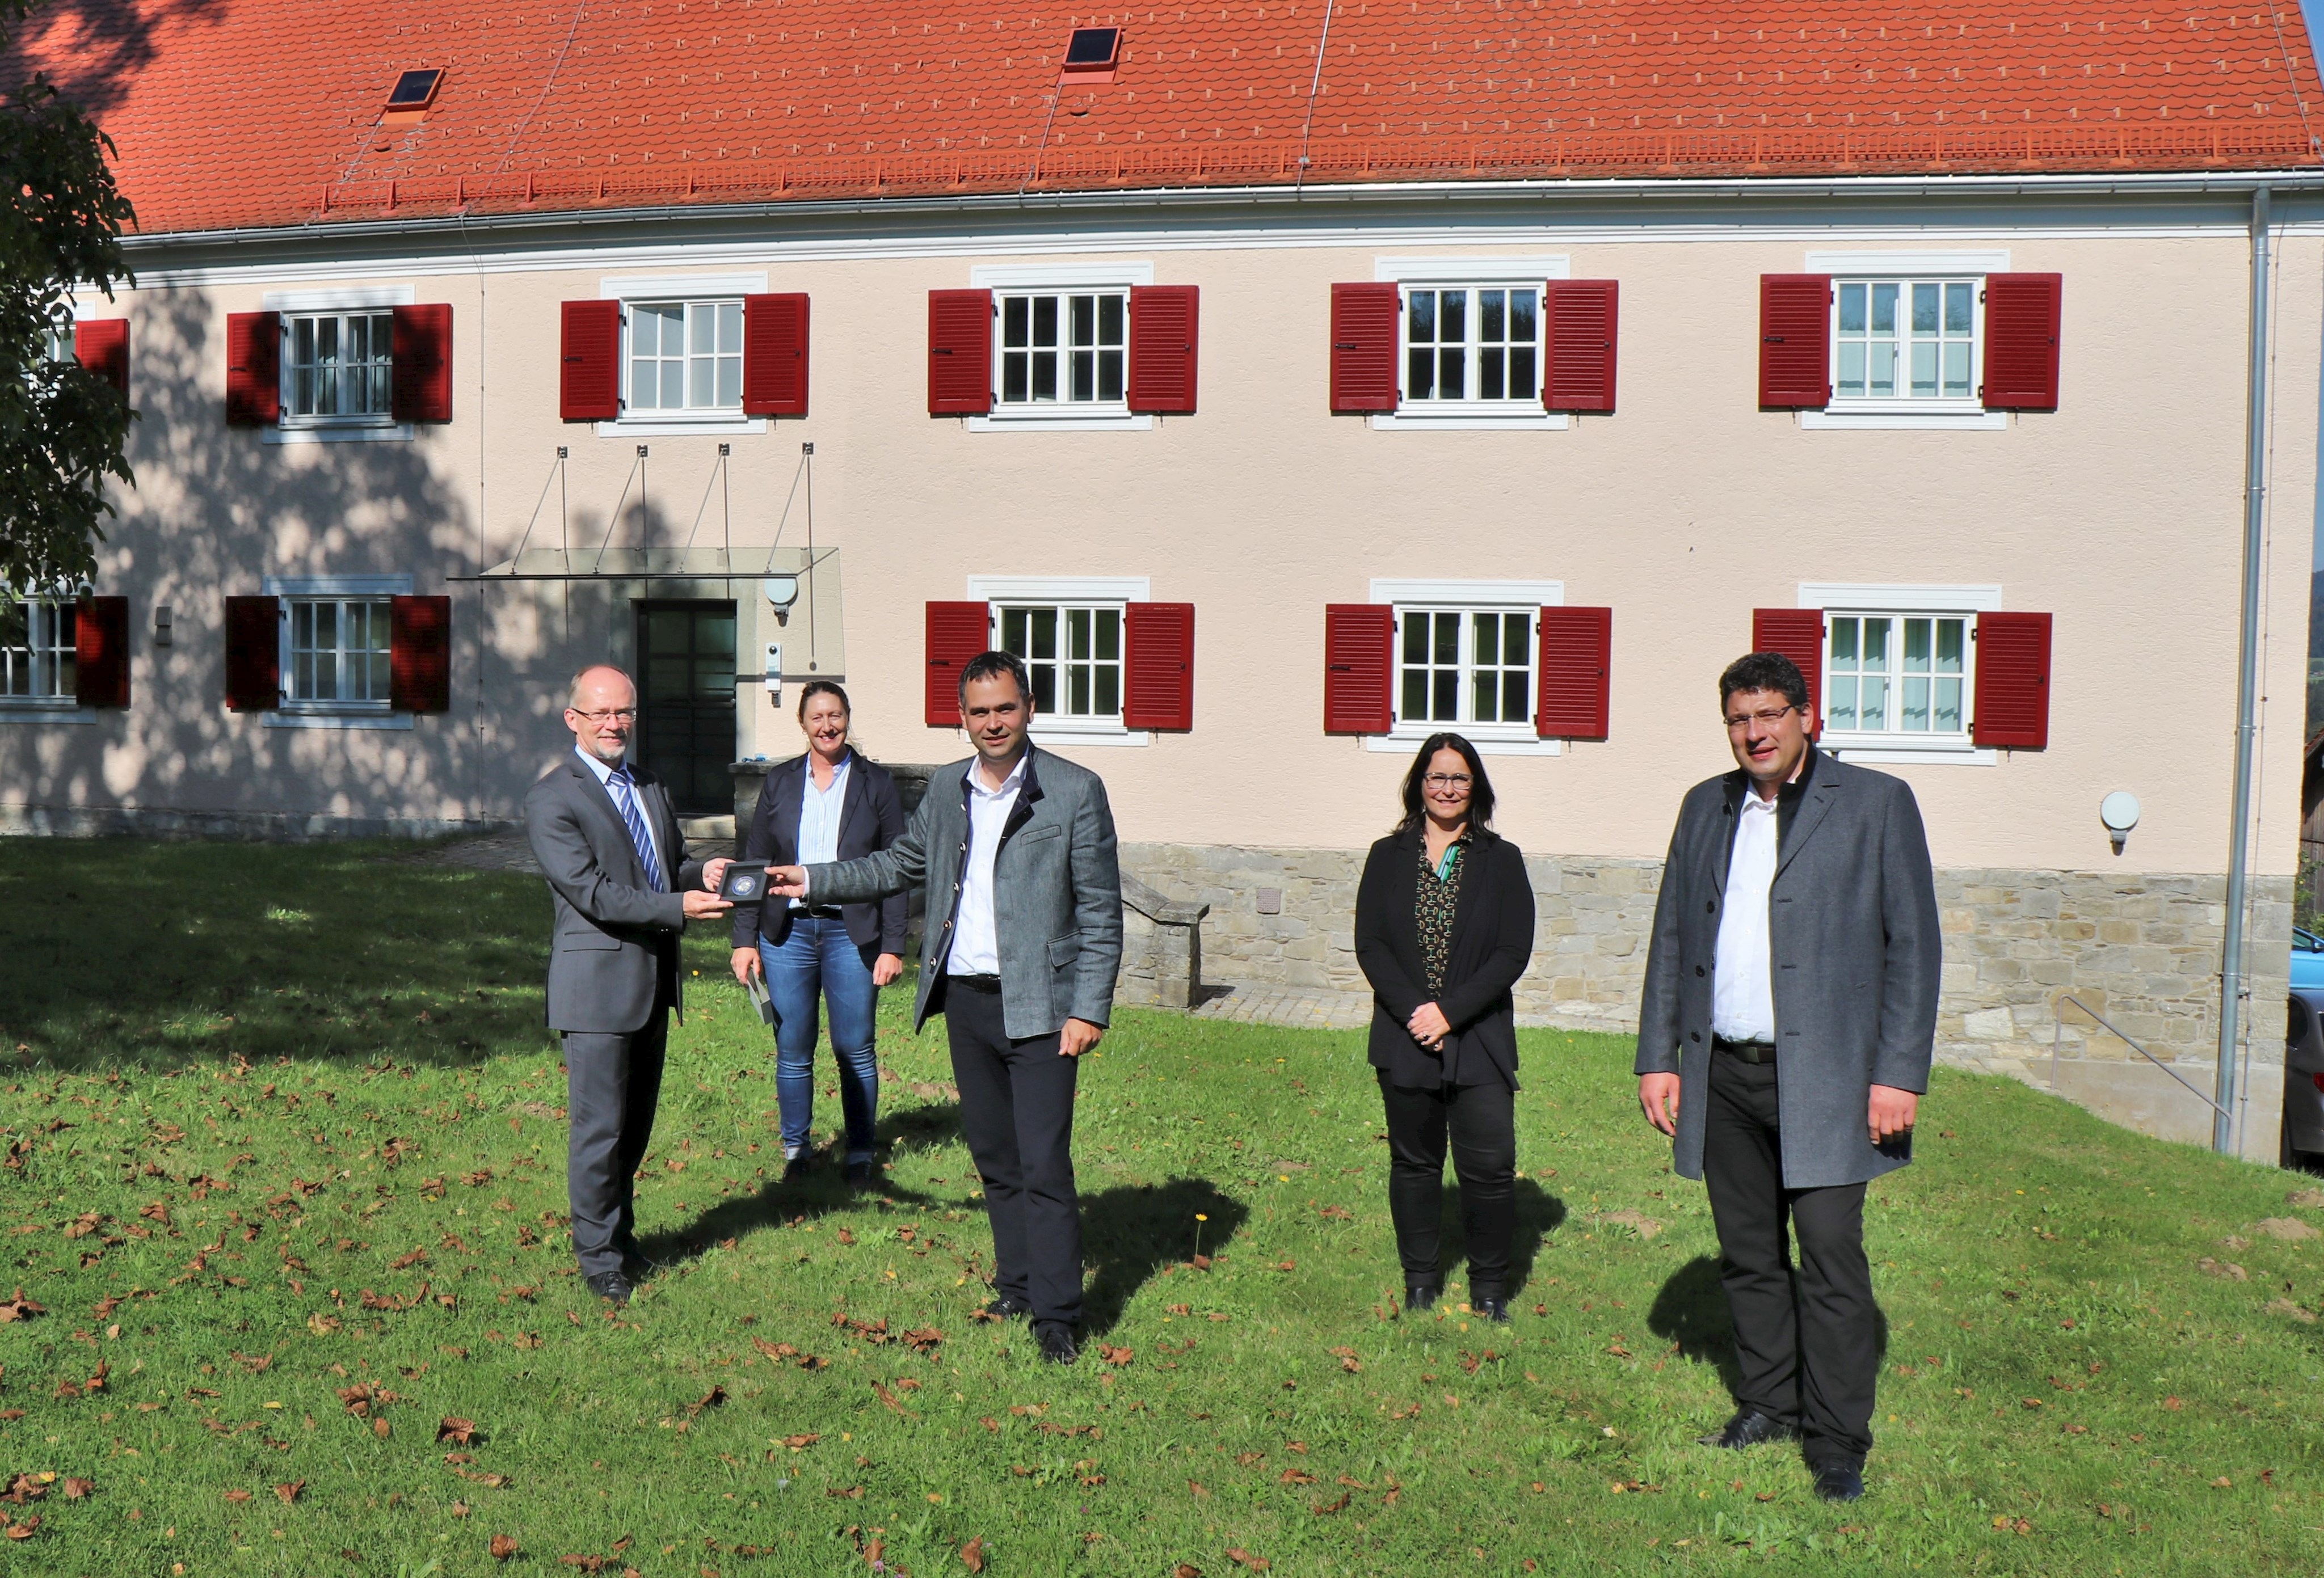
column 335, row 654
column 1061, row 345
column 685, row 358
column 1899, row 680
column 338, row 366
column 1465, row 658
column 38, row 647
column 1070, row 631
column 681, row 353
column 1476, row 346
column 1067, row 349
column 1907, row 338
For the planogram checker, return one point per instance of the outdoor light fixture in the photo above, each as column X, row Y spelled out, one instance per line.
column 782, row 591
column 162, row 625
column 2119, row 812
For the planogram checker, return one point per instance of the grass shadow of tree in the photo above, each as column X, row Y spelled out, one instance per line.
column 1130, row 1232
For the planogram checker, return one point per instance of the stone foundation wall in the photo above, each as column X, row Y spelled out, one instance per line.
column 2143, row 952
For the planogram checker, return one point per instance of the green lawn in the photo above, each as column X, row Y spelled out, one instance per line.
column 284, row 1167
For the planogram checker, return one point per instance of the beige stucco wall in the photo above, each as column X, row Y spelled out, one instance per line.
column 2120, row 513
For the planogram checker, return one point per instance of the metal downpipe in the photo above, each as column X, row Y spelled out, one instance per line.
column 2231, row 967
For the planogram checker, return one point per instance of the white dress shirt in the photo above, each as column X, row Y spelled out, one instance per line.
column 820, row 811
column 605, row 781
column 1742, row 980
column 975, row 944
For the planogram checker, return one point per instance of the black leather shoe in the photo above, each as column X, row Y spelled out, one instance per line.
column 1008, row 1307
column 1749, row 1428
column 860, row 1175
column 1057, row 1340
column 1496, row 1310
column 1838, row 1482
column 795, row 1167
column 611, row 1286
column 1419, row 1295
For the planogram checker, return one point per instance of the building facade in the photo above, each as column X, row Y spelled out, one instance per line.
column 1269, row 468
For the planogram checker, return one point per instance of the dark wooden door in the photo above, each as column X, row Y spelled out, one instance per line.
column 686, row 703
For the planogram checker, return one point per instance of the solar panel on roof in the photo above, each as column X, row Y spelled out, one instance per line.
column 414, row 89
column 1093, row 48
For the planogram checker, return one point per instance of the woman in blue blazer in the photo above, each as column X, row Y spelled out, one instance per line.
column 829, row 804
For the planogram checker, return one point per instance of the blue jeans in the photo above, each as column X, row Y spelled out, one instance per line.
column 819, row 963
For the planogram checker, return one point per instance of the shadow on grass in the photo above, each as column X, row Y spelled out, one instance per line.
column 1130, row 1232
column 1539, row 1214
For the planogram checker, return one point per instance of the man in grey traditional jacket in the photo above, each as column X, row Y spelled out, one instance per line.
column 1014, row 850
column 1783, row 1042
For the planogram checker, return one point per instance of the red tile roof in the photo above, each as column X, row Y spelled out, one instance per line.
column 233, row 112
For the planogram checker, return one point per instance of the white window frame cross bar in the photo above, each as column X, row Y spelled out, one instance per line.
column 41, row 663
column 342, row 360
column 1964, row 265
column 998, row 593
column 1465, row 600
column 1062, row 281
column 1843, row 599
column 292, row 711
column 1472, row 274
column 361, row 300
column 1082, row 348
column 636, row 291
column 717, row 320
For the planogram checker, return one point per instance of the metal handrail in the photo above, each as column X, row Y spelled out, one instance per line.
column 2058, row 1030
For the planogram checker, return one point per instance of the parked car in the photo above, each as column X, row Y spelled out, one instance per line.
column 2303, row 1058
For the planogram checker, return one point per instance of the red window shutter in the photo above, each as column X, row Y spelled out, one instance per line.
column 1577, row 646
column 957, row 631
column 1163, row 321
column 254, row 377
column 774, row 356
column 1159, row 690
column 101, row 344
column 2013, row 680
column 420, row 654
column 960, row 353
column 2021, row 316
column 1794, row 341
column 1582, row 315
column 420, row 380
column 1364, row 346
column 589, row 384
column 1358, row 668
column 101, row 651
column 1798, row 633
column 254, row 654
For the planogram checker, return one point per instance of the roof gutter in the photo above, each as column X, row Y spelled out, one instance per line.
column 2236, row 184
column 2232, row 988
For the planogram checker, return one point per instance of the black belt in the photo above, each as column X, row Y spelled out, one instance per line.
column 975, row 983
column 818, row 911
column 1749, row 1051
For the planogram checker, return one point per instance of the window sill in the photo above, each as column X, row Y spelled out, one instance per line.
column 681, row 424
column 1452, row 418
column 1403, row 740
column 25, row 710
column 1895, row 750
column 1903, row 416
column 1054, row 734
column 313, row 716
column 1098, row 419
column 295, row 432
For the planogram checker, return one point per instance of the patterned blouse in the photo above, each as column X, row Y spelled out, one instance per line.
column 1437, row 893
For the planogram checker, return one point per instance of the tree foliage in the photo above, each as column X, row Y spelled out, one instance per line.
column 63, row 427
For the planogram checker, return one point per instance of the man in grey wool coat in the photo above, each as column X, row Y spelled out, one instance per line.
column 1784, row 1043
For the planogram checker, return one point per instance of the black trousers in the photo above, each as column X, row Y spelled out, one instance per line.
column 1806, row 1340
column 1480, row 1122
column 612, row 1084
column 1017, row 1114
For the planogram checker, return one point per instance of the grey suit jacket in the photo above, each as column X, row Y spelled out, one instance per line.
column 1056, row 891
column 1855, row 950
column 613, row 950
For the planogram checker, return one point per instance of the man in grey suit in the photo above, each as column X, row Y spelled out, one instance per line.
column 1784, row 1043
column 1014, row 850
column 624, row 886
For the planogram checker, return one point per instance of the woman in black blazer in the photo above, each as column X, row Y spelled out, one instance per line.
column 829, row 804
column 1444, row 929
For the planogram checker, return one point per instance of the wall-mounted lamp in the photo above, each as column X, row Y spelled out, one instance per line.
column 2119, row 812
column 161, row 624
column 782, row 591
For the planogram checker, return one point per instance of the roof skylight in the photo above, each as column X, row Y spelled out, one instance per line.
column 415, row 90
column 1093, row 49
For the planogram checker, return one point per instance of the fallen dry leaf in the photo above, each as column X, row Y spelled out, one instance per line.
column 290, row 1492
column 971, row 1555
column 714, row 1398
column 1115, row 1356
column 462, row 1431
column 1326, row 1508
column 1185, row 1570
column 76, row 1489
column 20, row 1307
column 504, row 1546
column 24, row 1530
column 1243, row 1558
column 237, row 1497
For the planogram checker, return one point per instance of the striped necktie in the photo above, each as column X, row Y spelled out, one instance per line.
column 625, row 800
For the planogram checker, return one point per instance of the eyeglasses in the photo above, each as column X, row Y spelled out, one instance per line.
column 609, row 715
column 1764, row 719
column 1448, row 780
